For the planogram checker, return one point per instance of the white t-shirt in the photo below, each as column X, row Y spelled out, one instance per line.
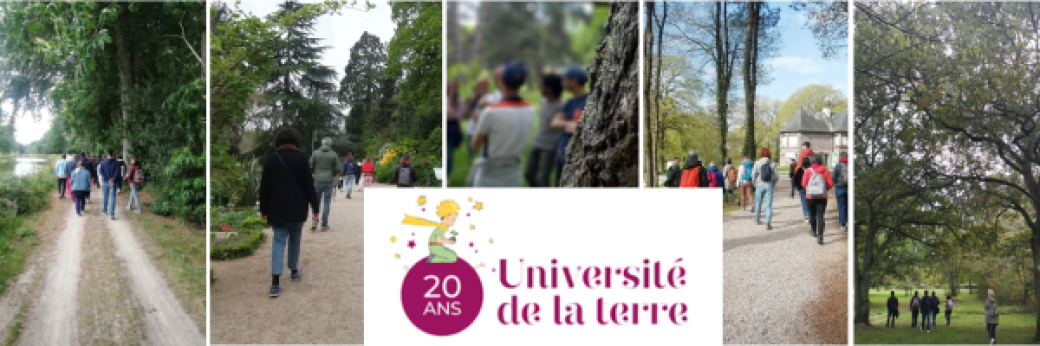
column 508, row 127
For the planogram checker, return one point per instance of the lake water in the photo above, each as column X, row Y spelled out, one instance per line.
column 21, row 166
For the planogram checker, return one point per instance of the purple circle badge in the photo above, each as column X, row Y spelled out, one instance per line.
column 442, row 298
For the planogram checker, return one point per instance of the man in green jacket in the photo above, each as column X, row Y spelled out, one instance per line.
column 325, row 167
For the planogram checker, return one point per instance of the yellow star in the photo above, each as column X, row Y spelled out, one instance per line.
column 472, row 227
column 479, row 206
column 491, row 241
column 393, row 239
column 397, row 255
column 422, row 200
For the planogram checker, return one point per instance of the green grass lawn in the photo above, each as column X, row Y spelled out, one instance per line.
column 967, row 324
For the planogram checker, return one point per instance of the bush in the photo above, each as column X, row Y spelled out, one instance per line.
column 250, row 235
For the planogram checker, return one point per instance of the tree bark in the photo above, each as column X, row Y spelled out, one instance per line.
column 649, row 161
column 657, row 94
column 1036, row 281
column 124, row 84
column 750, row 78
column 862, row 280
column 723, row 71
column 604, row 151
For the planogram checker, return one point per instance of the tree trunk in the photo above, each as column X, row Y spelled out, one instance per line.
column 478, row 33
column 649, row 162
column 124, row 84
column 660, row 89
column 863, row 276
column 1036, row 280
column 604, row 151
column 750, row 78
column 723, row 71
column 453, row 33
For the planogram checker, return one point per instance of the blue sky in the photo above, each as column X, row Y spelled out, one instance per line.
column 800, row 62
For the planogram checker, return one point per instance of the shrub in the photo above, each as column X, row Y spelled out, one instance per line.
column 25, row 232
column 241, row 245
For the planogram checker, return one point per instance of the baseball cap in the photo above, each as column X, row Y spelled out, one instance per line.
column 513, row 74
column 578, row 74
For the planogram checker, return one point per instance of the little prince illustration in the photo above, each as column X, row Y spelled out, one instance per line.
column 448, row 211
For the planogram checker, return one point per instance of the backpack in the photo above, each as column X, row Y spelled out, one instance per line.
column 767, row 172
column 404, row 176
column 839, row 175
column 138, row 177
column 914, row 303
column 949, row 304
column 691, row 177
column 817, row 186
column 713, row 179
column 732, row 174
column 748, row 167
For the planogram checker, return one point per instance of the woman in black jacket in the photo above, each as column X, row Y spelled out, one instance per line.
column 286, row 188
column 798, row 174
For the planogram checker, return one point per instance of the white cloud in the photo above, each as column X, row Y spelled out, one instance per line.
column 797, row 64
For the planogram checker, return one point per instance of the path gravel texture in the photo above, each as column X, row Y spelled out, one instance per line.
column 326, row 307
column 780, row 286
column 97, row 285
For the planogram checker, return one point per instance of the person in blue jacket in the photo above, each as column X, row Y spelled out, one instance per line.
column 350, row 171
column 108, row 173
column 80, row 181
column 59, row 171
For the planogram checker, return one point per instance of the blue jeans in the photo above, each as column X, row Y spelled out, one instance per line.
column 926, row 320
column 842, row 194
column 133, row 198
column 348, row 181
column 325, row 198
column 80, row 197
column 992, row 330
column 805, row 206
column 292, row 233
column 108, row 203
column 935, row 316
column 764, row 194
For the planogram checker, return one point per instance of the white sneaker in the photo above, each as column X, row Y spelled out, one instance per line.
column 128, row 207
column 992, row 341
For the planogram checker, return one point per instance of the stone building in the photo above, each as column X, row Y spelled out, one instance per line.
column 826, row 132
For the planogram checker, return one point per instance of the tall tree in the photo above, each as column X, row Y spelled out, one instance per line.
column 754, row 10
column 605, row 146
column 359, row 87
column 649, row 164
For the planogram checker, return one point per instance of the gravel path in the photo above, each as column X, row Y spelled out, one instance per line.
column 326, row 307
column 780, row 286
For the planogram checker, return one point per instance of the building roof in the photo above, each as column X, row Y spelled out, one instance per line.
column 803, row 121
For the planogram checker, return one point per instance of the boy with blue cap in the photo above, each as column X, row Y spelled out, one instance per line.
column 567, row 119
column 503, row 130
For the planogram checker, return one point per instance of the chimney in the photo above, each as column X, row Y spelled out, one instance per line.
column 827, row 112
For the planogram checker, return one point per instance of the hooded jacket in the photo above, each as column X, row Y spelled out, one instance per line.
column 992, row 313
column 694, row 175
column 109, row 170
column 674, row 175
column 325, row 165
column 719, row 180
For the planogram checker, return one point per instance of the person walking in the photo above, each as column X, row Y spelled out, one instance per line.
column 817, row 181
column 503, row 132
column 792, row 167
column 926, row 313
column 368, row 170
column 88, row 164
column 729, row 174
column 715, row 177
column 541, row 159
column 59, row 171
column 325, row 166
column 949, row 308
column 806, row 152
column 935, row 308
column 893, row 310
column 286, row 190
column 80, row 182
column 405, row 173
column 765, row 178
column 108, row 171
column 746, row 185
column 453, row 131
column 694, row 175
column 915, row 309
column 841, row 190
column 799, row 174
column 674, row 174
column 350, row 172
column 134, row 175
column 70, row 165
column 992, row 316
column 121, row 173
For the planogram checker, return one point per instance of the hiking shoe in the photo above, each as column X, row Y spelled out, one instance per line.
column 769, row 227
column 348, row 196
column 314, row 226
column 820, row 241
column 298, row 276
column 806, row 220
column 275, row 290
column 325, row 228
column 757, row 222
column 113, row 216
column 128, row 207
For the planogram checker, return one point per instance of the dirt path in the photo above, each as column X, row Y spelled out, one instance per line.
column 780, row 286
column 98, row 286
column 326, row 307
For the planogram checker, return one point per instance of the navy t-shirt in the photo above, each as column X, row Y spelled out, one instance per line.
column 572, row 110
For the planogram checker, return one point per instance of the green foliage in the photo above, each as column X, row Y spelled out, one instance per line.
column 25, row 232
column 250, row 235
column 19, row 197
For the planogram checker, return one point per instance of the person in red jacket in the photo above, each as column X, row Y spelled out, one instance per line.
column 368, row 170
column 806, row 152
column 817, row 182
column 694, row 174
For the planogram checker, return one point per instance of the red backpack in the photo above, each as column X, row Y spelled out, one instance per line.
column 713, row 180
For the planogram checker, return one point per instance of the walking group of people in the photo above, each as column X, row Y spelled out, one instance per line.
column 78, row 173
column 757, row 182
column 928, row 307
column 292, row 183
column 500, row 125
